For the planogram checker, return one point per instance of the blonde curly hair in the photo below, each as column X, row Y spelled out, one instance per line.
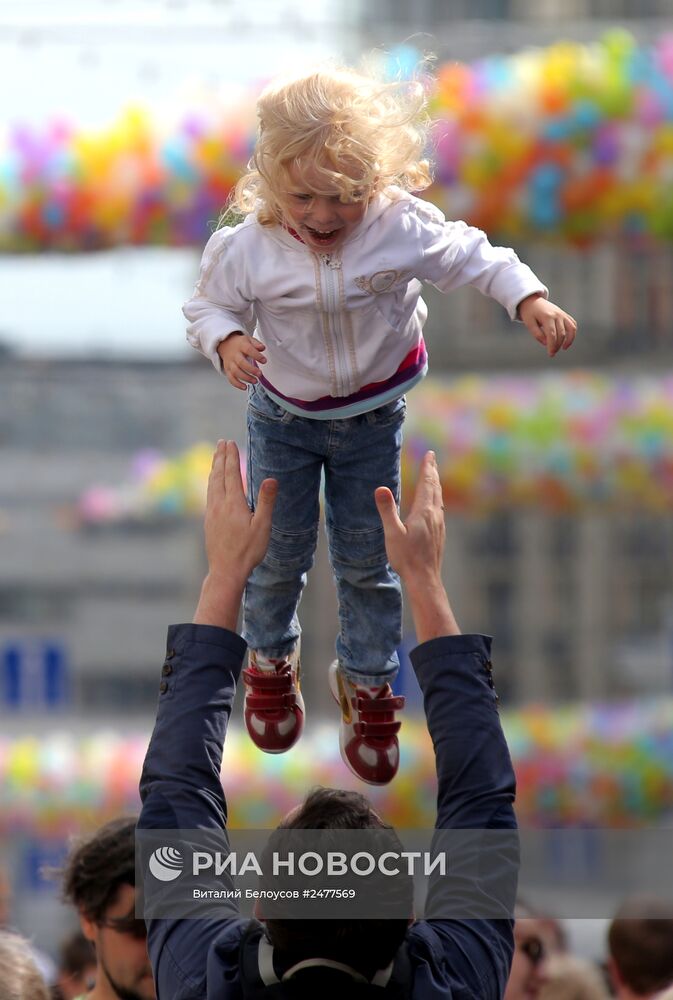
column 20, row 978
column 357, row 133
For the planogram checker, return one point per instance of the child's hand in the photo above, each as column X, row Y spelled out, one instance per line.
column 551, row 326
column 241, row 355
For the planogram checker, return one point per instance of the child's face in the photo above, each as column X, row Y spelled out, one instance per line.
column 323, row 222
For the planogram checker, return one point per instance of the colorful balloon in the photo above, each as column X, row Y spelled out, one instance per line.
column 560, row 443
column 596, row 765
column 571, row 141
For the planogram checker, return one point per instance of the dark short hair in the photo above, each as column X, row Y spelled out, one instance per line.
column 98, row 866
column 366, row 945
column 640, row 939
column 76, row 954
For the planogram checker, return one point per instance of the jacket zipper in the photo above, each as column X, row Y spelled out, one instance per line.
column 333, row 307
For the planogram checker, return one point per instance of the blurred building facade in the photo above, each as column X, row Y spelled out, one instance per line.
column 471, row 29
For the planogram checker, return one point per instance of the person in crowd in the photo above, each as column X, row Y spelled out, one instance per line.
column 20, row 978
column 224, row 957
column 42, row 960
column 640, row 948
column 99, row 881
column 76, row 973
column 528, row 972
column 570, row 977
column 5, row 898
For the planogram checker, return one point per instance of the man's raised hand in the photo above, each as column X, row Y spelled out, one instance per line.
column 415, row 549
column 236, row 539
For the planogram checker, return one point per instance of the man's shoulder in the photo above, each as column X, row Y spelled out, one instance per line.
column 454, row 956
column 224, row 958
column 228, row 942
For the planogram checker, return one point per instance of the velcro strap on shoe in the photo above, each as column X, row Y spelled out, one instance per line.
column 376, row 730
column 270, row 702
column 268, row 681
column 368, row 705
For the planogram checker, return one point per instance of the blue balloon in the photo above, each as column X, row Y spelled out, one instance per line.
column 544, row 211
column 546, row 177
column 586, row 115
column 402, row 62
column 53, row 215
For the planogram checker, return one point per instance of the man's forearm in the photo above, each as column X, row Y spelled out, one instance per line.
column 430, row 608
column 219, row 603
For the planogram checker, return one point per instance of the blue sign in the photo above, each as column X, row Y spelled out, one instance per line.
column 34, row 674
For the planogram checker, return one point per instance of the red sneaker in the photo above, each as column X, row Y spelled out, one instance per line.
column 368, row 731
column 274, row 707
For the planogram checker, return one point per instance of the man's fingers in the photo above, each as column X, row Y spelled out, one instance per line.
column 233, row 484
column 216, row 477
column 266, row 499
column 428, row 489
column 437, row 495
column 387, row 508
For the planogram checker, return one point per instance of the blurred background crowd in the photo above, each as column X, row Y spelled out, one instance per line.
column 122, row 127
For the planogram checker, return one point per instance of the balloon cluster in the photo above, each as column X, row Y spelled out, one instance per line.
column 593, row 765
column 573, row 140
column 560, row 443
column 157, row 489
column 577, row 766
column 132, row 182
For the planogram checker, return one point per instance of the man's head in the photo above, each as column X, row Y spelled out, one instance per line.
column 99, row 880
column 640, row 945
column 366, row 945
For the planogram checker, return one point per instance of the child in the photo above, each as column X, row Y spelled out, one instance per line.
column 321, row 286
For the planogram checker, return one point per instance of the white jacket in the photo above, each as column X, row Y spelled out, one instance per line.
column 332, row 324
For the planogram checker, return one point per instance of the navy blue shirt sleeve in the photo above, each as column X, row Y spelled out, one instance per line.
column 181, row 788
column 476, row 790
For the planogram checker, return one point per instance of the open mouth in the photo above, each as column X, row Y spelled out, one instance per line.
column 322, row 236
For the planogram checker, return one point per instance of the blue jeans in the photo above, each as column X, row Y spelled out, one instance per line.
column 357, row 455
